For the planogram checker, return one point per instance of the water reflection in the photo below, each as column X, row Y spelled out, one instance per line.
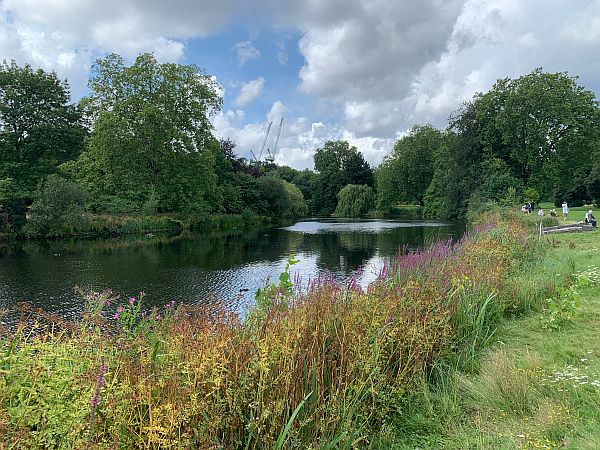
column 201, row 267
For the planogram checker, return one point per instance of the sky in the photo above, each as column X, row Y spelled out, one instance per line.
column 365, row 71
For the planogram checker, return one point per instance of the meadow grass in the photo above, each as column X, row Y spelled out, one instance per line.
column 537, row 386
column 331, row 366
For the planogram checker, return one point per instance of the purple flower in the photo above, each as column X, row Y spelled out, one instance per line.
column 99, row 385
column 158, row 317
column 131, row 300
column 116, row 316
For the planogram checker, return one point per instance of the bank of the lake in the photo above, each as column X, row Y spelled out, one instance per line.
column 338, row 366
column 103, row 225
column 538, row 385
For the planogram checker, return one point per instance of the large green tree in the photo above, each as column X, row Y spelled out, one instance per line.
column 355, row 201
column 404, row 176
column 539, row 130
column 543, row 125
column 151, row 136
column 338, row 164
column 39, row 129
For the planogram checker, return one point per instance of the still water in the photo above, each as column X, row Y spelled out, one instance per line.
column 202, row 268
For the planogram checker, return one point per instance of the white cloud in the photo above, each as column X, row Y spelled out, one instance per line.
column 299, row 138
column 249, row 92
column 245, row 52
column 373, row 67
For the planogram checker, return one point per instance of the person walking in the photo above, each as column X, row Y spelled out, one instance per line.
column 565, row 210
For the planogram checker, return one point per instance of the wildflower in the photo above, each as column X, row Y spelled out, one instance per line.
column 120, row 309
column 131, row 300
column 99, row 385
column 116, row 316
column 158, row 317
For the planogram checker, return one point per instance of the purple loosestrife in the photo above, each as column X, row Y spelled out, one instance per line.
column 95, row 400
column 99, row 385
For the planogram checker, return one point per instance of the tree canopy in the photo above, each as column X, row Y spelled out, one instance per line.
column 39, row 129
column 337, row 164
column 151, row 135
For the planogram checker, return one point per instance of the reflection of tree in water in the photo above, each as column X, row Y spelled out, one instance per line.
column 341, row 252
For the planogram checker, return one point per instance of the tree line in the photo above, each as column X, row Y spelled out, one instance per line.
column 141, row 142
column 534, row 137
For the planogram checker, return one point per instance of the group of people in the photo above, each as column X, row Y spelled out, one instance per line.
column 589, row 216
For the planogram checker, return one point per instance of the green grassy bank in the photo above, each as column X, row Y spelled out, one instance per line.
column 398, row 365
column 538, row 384
column 98, row 225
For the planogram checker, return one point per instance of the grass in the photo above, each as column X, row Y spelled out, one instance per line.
column 536, row 387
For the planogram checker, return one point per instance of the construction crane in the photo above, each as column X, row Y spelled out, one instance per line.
column 262, row 148
column 271, row 156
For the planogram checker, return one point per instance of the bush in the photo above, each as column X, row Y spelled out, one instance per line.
column 355, row 201
column 57, row 208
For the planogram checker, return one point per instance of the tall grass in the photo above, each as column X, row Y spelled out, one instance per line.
column 325, row 367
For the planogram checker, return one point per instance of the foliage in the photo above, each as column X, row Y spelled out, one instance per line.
column 562, row 308
column 39, row 130
column 338, row 164
column 280, row 199
column 355, row 201
column 351, row 357
column 532, row 195
column 57, row 208
column 539, row 130
column 593, row 183
column 151, row 136
column 404, row 176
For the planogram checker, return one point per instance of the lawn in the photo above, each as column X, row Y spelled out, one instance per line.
column 538, row 384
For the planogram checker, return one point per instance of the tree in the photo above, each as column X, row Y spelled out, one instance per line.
column 280, row 199
column 39, row 130
column 355, row 201
column 404, row 176
column 58, row 208
column 542, row 126
column 151, row 134
column 593, row 183
column 338, row 164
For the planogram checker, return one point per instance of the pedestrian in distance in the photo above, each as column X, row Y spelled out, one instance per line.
column 565, row 210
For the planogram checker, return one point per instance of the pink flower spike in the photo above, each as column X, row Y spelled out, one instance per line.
column 116, row 316
column 158, row 317
column 132, row 300
column 120, row 309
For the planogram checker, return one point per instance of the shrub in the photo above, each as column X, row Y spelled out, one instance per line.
column 355, row 201
column 57, row 208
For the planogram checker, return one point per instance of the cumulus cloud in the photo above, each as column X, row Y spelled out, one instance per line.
column 249, row 92
column 245, row 52
column 299, row 138
column 373, row 67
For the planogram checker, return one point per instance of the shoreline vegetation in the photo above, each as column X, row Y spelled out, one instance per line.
column 104, row 225
column 443, row 350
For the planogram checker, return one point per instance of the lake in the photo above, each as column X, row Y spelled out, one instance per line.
column 203, row 268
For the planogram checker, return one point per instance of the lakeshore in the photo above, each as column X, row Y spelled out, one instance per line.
column 408, row 362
